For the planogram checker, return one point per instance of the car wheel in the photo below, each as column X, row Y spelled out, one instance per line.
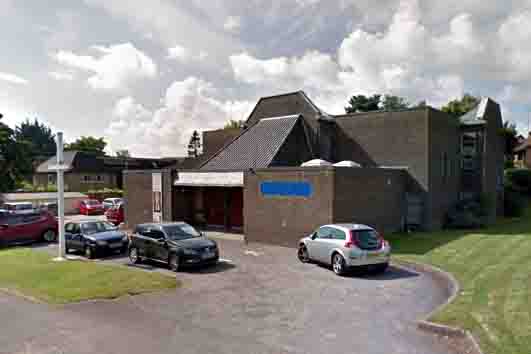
column 338, row 264
column 49, row 236
column 174, row 263
column 133, row 256
column 303, row 254
column 89, row 252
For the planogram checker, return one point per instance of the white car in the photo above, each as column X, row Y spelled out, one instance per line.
column 345, row 246
column 111, row 203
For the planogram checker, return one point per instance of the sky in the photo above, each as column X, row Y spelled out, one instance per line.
column 145, row 75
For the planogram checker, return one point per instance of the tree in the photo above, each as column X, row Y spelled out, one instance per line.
column 394, row 103
column 509, row 134
column 38, row 136
column 195, row 144
column 88, row 144
column 460, row 107
column 12, row 159
column 362, row 103
column 234, row 124
column 123, row 153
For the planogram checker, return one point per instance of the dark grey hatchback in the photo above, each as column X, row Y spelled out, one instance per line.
column 175, row 244
column 94, row 238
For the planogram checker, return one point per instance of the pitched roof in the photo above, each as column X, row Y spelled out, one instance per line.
column 256, row 147
column 68, row 156
column 476, row 116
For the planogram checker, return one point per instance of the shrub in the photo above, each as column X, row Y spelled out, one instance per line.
column 508, row 164
column 518, row 179
column 465, row 214
column 514, row 203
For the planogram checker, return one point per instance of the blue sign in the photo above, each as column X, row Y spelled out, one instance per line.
column 286, row 189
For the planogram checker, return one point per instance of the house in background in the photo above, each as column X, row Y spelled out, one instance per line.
column 415, row 165
column 88, row 171
column 522, row 152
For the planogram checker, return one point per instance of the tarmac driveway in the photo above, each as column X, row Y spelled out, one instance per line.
column 261, row 300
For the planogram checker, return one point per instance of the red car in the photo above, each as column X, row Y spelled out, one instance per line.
column 26, row 228
column 115, row 215
column 90, row 207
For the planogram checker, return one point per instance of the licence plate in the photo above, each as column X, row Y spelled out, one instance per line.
column 373, row 255
column 208, row 255
column 115, row 245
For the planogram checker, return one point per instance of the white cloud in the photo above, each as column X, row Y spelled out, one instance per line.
column 179, row 52
column 61, row 76
column 185, row 55
column 314, row 69
column 232, row 24
column 187, row 105
column 118, row 66
column 12, row 78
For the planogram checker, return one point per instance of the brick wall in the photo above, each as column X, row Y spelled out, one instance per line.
column 444, row 177
column 138, row 195
column 284, row 220
column 371, row 196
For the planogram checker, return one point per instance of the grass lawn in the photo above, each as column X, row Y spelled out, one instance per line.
column 34, row 274
column 493, row 267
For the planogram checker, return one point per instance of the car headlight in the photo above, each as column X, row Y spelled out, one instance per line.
column 190, row 252
column 101, row 243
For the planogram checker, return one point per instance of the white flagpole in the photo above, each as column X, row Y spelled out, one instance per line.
column 61, row 196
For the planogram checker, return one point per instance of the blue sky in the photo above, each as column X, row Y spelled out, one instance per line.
column 145, row 76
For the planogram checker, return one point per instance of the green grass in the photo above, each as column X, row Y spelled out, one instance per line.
column 35, row 275
column 493, row 267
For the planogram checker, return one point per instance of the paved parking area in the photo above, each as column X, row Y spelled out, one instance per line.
column 261, row 299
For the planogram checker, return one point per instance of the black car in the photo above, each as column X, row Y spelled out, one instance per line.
column 175, row 244
column 94, row 238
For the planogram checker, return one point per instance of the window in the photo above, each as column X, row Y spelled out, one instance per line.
column 324, row 233
column 99, row 178
column 52, row 178
column 85, row 179
column 181, row 232
column 156, row 234
column 444, row 166
column 338, row 234
column 469, row 144
column 28, row 219
column 69, row 228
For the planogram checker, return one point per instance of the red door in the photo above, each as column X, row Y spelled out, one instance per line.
column 214, row 199
column 236, row 207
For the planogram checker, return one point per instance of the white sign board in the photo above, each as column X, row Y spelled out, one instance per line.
column 157, row 197
column 209, row 179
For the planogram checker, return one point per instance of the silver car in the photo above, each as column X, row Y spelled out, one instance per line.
column 344, row 246
column 111, row 203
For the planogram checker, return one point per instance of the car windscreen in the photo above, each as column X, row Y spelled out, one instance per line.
column 180, row 232
column 90, row 228
column 92, row 202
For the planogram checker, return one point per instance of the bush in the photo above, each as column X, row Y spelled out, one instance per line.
column 105, row 193
column 465, row 214
column 508, row 164
column 514, row 203
column 519, row 180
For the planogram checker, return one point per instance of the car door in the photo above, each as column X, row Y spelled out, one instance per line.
column 317, row 249
column 35, row 226
column 78, row 240
column 337, row 241
column 159, row 246
column 9, row 229
column 144, row 242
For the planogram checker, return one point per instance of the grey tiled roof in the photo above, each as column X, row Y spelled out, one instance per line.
column 256, row 147
column 68, row 156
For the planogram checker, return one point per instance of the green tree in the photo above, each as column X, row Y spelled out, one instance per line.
column 234, row 124
column 362, row 103
column 13, row 159
column 509, row 134
column 39, row 137
column 460, row 107
column 88, row 144
column 194, row 145
column 394, row 103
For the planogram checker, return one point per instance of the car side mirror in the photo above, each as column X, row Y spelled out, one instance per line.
column 4, row 226
column 314, row 236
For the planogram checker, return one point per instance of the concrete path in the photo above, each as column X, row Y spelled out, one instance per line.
column 260, row 300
